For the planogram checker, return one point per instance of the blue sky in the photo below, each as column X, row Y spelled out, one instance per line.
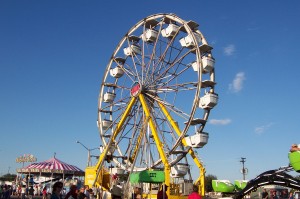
column 53, row 55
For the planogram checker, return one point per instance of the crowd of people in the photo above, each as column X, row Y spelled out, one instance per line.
column 83, row 192
column 277, row 194
column 5, row 191
column 58, row 192
column 19, row 191
column 162, row 193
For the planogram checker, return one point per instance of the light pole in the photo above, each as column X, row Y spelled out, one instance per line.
column 89, row 152
column 244, row 170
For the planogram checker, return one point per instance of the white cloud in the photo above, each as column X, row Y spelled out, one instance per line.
column 237, row 83
column 213, row 42
column 252, row 28
column 220, row 122
column 229, row 50
column 261, row 129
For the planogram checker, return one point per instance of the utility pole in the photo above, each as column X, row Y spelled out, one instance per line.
column 243, row 160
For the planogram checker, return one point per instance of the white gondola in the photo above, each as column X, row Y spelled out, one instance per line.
column 106, row 124
column 116, row 170
column 116, row 190
column 198, row 140
column 132, row 49
column 111, row 148
column 109, row 97
column 207, row 63
column 179, row 170
column 195, row 66
column 188, row 41
column 170, row 31
column 116, row 72
column 150, row 35
column 208, row 101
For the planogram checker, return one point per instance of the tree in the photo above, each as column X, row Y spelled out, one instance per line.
column 8, row 177
column 208, row 180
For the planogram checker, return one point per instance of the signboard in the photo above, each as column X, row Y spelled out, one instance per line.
column 26, row 158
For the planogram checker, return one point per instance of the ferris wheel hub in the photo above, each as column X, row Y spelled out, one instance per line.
column 136, row 89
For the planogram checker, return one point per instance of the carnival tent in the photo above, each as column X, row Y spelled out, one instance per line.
column 52, row 167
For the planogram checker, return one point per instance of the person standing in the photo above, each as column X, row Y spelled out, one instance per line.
column 56, row 190
column 14, row 189
column 195, row 193
column 1, row 191
column 81, row 194
column 30, row 192
column 274, row 194
column 19, row 190
column 135, row 193
column 291, row 196
column 86, row 191
column 72, row 194
column 265, row 194
column 44, row 193
column 23, row 192
column 5, row 193
column 35, row 190
column 91, row 193
column 162, row 194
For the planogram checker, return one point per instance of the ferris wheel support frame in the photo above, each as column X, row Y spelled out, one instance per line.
column 191, row 151
column 156, row 138
column 116, row 132
column 159, row 144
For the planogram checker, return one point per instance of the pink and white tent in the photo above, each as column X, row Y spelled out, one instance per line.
column 53, row 166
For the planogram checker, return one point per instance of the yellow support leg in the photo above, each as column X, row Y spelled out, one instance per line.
column 157, row 140
column 191, row 151
column 114, row 135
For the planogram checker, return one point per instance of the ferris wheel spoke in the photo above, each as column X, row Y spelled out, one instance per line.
column 116, row 107
column 188, row 86
column 161, row 68
column 151, row 48
column 135, row 60
column 132, row 76
column 171, row 107
column 160, row 61
column 176, row 63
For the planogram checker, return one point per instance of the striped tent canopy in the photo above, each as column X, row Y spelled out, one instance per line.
column 52, row 166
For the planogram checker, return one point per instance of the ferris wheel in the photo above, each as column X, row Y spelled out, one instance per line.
column 156, row 95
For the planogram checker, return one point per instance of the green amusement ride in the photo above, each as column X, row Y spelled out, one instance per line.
column 240, row 188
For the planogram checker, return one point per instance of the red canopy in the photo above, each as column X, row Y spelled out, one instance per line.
column 52, row 166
